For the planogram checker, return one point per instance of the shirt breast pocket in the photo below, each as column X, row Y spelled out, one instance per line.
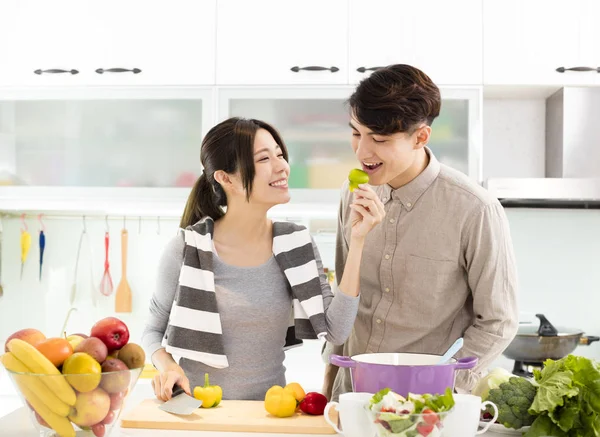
column 428, row 277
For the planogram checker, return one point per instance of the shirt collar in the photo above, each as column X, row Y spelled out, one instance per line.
column 410, row 193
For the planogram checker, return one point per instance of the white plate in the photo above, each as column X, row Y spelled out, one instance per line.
column 501, row 429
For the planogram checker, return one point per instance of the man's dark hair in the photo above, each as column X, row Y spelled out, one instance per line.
column 396, row 98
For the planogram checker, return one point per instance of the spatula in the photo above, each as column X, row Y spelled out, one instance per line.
column 180, row 402
column 123, row 295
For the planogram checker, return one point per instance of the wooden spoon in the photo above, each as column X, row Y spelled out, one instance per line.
column 123, row 295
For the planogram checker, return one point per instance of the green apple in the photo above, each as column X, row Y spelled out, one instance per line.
column 357, row 177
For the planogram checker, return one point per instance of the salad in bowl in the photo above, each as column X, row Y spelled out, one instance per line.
column 414, row 416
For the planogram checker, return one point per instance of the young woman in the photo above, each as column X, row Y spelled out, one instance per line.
column 236, row 289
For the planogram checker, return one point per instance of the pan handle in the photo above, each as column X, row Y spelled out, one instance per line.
column 466, row 363
column 586, row 340
column 546, row 328
column 340, row 361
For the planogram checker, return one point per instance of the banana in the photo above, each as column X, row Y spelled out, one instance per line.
column 38, row 363
column 61, row 425
column 34, row 383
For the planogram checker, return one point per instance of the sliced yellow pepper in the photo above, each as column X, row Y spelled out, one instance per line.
column 210, row 395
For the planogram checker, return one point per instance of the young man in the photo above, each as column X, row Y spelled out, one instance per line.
column 441, row 264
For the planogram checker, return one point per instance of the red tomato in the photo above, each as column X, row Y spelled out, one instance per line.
column 424, row 429
column 430, row 417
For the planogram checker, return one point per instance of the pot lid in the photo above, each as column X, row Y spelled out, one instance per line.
column 546, row 329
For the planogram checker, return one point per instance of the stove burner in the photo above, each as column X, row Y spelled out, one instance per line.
column 526, row 368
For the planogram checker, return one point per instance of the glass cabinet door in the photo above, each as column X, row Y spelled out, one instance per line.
column 456, row 132
column 103, row 138
column 314, row 125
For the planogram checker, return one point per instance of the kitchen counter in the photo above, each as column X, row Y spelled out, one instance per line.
column 15, row 422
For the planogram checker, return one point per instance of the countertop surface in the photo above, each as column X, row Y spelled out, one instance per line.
column 15, row 422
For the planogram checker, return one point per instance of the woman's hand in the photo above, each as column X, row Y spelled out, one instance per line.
column 163, row 383
column 367, row 211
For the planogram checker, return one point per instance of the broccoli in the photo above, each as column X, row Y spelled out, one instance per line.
column 513, row 399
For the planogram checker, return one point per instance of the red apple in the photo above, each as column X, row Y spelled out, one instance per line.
column 110, row 416
column 115, row 375
column 31, row 336
column 112, row 331
column 90, row 408
column 99, row 430
column 116, row 400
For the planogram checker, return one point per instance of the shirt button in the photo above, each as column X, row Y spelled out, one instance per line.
column 387, row 290
column 409, row 204
column 387, row 257
column 378, row 320
column 392, row 221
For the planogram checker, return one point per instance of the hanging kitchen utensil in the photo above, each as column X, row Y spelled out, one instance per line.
column 42, row 242
column 106, row 285
column 83, row 238
column 534, row 343
column 123, row 295
column 25, row 243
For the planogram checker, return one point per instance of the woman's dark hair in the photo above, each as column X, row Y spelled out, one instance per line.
column 228, row 146
column 396, row 98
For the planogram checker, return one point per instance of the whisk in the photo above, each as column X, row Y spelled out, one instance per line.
column 106, row 285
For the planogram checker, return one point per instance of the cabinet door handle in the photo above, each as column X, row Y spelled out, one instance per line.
column 118, row 70
column 563, row 69
column 55, row 71
column 364, row 69
column 297, row 69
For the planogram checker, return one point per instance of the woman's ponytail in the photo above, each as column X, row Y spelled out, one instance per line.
column 203, row 201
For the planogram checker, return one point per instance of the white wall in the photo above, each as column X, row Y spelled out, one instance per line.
column 513, row 138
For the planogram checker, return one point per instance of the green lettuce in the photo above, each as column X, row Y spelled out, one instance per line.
column 567, row 402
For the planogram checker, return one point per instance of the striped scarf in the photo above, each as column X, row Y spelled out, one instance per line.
column 194, row 329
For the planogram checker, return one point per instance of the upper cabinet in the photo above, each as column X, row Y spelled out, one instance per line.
column 144, row 42
column 442, row 38
column 42, row 44
column 71, row 42
column 541, row 42
column 282, row 42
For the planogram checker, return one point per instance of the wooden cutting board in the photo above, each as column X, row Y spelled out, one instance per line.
column 232, row 416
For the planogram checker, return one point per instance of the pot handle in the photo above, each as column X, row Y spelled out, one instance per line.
column 466, row 363
column 546, row 328
column 338, row 360
column 588, row 339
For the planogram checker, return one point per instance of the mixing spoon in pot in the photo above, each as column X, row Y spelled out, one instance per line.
column 456, row 346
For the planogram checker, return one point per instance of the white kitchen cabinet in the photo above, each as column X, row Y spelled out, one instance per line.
column 590, row 39
column 42, row 43
column 137, row 42
column 440, row 37
column 525, row 42
column 141, row 42
column 109, row 138
column 277, row 42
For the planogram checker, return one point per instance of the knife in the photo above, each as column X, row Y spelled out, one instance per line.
column 180, row 403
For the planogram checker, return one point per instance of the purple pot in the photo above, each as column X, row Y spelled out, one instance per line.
column 402, row 373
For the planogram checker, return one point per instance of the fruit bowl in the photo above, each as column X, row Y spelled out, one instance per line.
column 76, row 384
column 93, row 412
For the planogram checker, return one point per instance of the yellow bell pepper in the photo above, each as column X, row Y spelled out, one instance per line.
column 210, row 395
column 280, row 402
column 296, row 390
